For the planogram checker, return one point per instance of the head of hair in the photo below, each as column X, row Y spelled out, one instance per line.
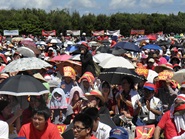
column 85, row 119
column 130, row 81
column 92, row 112
column 45, row 111
column 105, row 83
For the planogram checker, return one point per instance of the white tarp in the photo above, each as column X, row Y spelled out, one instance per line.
column 11, row 32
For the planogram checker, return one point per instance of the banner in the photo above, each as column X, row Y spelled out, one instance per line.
column 114, row 33
column 98, row 33
column 73, row 32
column 140, row 32
column 49, row 33
column 11, row 32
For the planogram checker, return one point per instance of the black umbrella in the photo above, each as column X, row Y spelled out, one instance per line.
column 127, row 46
column 22, row 85
column 116, row 75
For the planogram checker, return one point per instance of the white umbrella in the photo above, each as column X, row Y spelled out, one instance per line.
column 116, row 61
column 77, row 58
column 102, row 56
column 54, row 40
column 28, row 39
column 40, row 43
column 179, row 76
column 24, row 64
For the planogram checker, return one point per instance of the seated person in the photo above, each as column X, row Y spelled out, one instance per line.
column 149, row 108
column 40, row 128
column 100, row 130
column 61, row 111
column 83, row 126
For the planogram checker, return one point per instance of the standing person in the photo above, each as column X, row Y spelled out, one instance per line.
column 86, row 59
column 4, row 130
column 83, row 125
column 40, row 128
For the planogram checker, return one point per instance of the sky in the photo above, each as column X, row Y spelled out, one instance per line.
column 107, row 7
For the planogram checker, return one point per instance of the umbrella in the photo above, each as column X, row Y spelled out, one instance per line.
column 118, row 51
column 54, row 40
column 179, row 76
column 26, row 52
column 17, row 39
column 40, row 43
column 63, row 57
column 142, row 38
column 22, row 85
column 116, row 61
column 24, row 64
column 115, row 75
column 102, row 56
column 127, row 46
column 28, row 43
column 34, row 49
column 152, row 46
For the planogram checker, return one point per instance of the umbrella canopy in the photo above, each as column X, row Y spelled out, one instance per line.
column 179, row 76
column 63, row 57
column 24, row 64
column 34, row 49
column 102, row 56
column 116, row 75
column 77, row 58
column 22, row 85
column 116, row 61
column 40, row 43
column 55, row 40
column 26, row 52
column 152, row 46
column 127, row 46
column 28, row 43
column 17, row 39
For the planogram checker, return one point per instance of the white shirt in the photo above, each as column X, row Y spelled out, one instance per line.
column 4, row 130
column 102, row 131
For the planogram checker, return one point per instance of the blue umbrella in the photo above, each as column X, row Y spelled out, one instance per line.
column 152, row 46
column 127, row 46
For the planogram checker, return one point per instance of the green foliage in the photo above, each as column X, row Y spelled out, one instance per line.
column 33, row 21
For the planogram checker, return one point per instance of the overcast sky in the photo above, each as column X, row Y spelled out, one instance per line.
column 100, row 6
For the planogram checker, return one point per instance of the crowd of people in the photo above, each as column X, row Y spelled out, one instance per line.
column 77, row 99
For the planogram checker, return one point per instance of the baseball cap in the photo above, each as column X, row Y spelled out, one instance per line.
column 118, row 133
column 149, row 86
column 151, row 60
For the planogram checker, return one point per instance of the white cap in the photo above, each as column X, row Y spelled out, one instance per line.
column 83, row 33
column 51, row 48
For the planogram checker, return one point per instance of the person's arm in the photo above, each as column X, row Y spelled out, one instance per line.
column 154, row 111
column 17, row 114
column 157, row 132
column 138, row 109
column 18, row 124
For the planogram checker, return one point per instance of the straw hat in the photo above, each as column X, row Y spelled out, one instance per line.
column 95, row 93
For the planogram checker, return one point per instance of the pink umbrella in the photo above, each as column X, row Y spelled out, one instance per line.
column 61, row 58
column 28, row 43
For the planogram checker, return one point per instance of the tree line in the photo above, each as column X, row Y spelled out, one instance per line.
column 33, row 21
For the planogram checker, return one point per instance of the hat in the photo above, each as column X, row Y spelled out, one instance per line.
column 182, row 85
column 95, row 93
column 118, row 133
column 149, row 86
column 88, row 76
column 176, row 65
column 83, row 44
column 51, row 48
column 163, row 67
column 69, row 72
column 180, row 107
column 151, row 60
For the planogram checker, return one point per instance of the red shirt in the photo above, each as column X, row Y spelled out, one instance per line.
column 168, row 125
column 28, row 131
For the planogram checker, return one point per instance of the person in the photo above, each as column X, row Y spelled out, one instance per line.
column 149, row 107
column 4, row 130
column 86, row 59
column 34, row 102
column 96, row 99
column 108, row 97
column 82, row 127
column 87, row 82
column 118, row 133
column 182, row 88
column 40, row 128
column 77, row 99
column 172, row 120
column 68, row 79
column 13, row 119
column 129, row 96
column 61, row 111
column 100, row 130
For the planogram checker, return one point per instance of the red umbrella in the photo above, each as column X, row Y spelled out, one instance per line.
column 28, row 43
column 63, row 57
column 151, row 37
